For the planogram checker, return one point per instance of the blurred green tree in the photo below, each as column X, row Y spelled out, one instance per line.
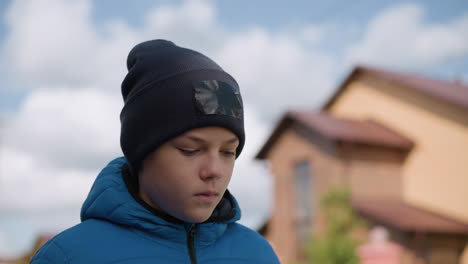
column 337, row 245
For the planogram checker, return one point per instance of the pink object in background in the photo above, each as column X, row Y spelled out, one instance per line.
column 379, row 250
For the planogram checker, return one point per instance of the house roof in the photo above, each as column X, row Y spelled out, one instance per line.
column 408, row 218
column 455, row 93
column 362, row 132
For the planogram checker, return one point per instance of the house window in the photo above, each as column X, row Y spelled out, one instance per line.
column 303, row 196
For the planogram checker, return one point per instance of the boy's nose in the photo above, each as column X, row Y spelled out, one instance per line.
column 211, row 169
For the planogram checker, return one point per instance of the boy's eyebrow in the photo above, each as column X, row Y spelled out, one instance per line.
column 201, row 140
column 232, row 140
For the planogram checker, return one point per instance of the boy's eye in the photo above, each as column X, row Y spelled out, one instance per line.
column 229, row 153
column 187, row 151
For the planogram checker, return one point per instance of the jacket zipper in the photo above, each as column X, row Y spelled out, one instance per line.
column 191, row 243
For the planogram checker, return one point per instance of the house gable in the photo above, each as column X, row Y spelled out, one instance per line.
column 437, row 125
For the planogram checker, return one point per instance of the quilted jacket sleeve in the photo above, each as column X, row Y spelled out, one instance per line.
column 50, row 253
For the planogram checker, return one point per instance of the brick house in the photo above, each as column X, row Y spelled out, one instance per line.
column 399, row 142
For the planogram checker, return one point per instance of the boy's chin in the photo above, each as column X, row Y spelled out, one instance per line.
column 197, row 218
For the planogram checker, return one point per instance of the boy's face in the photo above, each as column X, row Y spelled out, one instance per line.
column 187, row 176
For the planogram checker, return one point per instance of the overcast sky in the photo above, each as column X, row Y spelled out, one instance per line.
column 62, row 62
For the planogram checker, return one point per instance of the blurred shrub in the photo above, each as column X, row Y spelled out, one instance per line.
column 336, row 245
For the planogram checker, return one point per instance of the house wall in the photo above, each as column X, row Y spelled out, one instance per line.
column 327, row 170
column 374, row 172
column 435, row 172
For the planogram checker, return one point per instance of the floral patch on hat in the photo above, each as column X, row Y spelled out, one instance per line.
column 214, row 97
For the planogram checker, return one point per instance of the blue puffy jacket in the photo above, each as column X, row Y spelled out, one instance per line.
column 116, row 228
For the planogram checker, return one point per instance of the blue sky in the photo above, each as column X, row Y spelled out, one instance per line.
column 62, row 61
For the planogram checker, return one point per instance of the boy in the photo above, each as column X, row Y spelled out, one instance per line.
column 166, row 201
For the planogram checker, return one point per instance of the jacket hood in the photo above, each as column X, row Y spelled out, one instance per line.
column 110, row 200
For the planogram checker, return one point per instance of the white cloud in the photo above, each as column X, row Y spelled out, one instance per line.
column 67, row 128
column 53, row 148
column 193, row 24
column 56, row 43
column 400, row 38
column 277, row 72
column 50, row 41
column 192, row 16
column 30, row 185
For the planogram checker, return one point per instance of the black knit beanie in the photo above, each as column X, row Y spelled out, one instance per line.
column 169, row 90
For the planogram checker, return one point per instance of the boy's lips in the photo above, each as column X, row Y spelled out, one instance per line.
column 207, row 196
